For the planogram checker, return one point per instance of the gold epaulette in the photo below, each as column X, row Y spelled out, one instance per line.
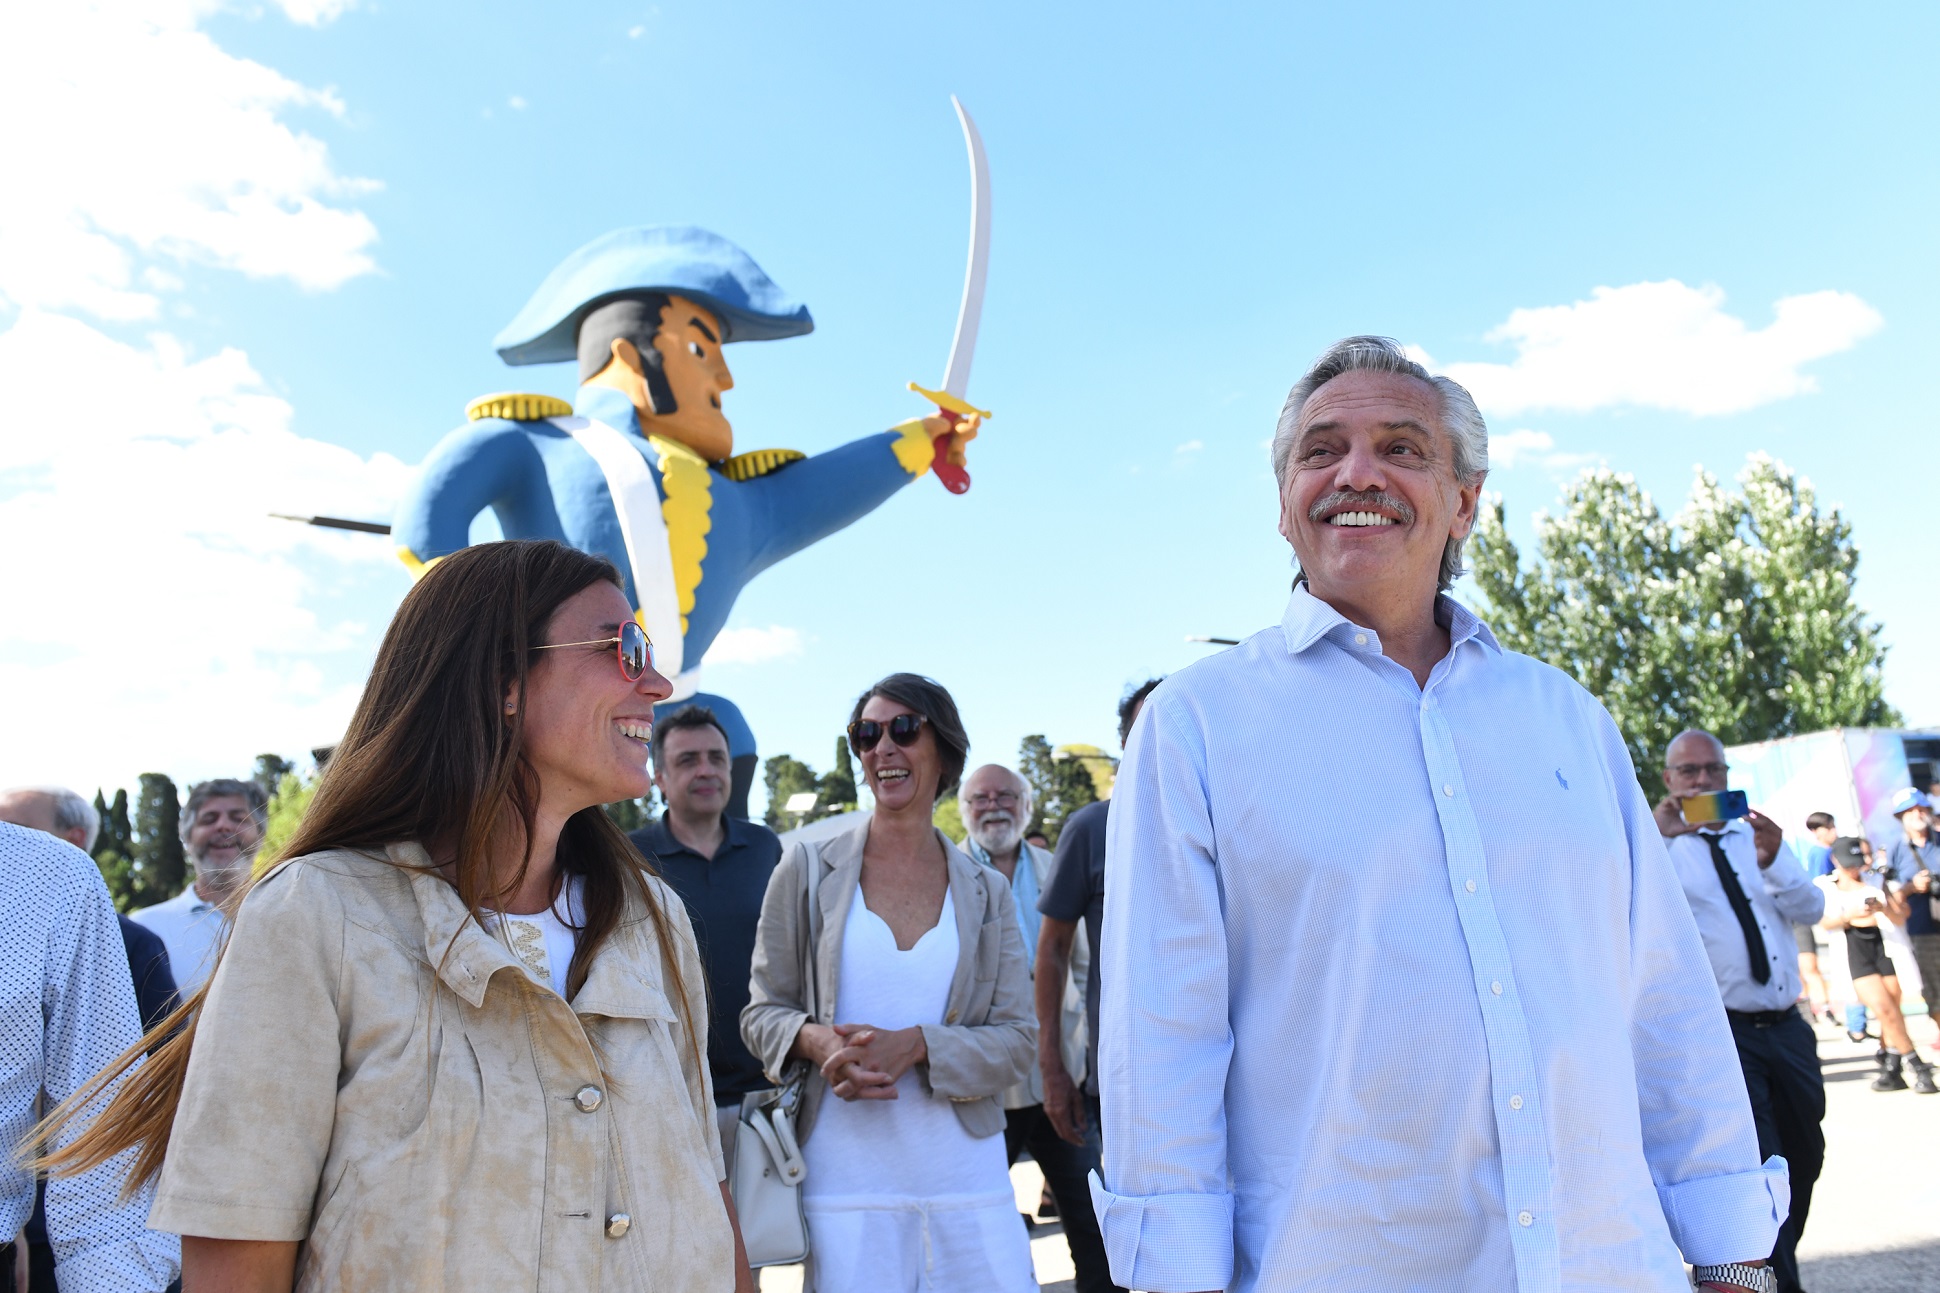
column 746, row 466
column 515, row 406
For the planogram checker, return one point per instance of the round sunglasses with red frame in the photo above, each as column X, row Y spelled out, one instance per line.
column 634, row 650
column 865, row 733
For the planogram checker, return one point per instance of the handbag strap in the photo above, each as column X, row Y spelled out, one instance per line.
column 812, row 885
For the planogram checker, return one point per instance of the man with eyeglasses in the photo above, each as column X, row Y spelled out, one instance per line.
column 997, row 807
column 1747, row 891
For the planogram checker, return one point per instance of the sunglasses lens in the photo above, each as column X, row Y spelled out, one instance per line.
column 864, row 733
column 636, row 653
column 904, row 727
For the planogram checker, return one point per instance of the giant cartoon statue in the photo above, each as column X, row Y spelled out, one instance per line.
column 641, row 468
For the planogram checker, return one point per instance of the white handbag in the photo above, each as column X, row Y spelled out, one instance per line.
column 768, row 1169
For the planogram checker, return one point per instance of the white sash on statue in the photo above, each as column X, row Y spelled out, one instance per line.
column 636, row 502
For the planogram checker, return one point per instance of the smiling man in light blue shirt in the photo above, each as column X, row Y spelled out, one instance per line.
column 1519, row 1078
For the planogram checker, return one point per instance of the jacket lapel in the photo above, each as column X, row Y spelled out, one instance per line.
column 967, row 894
column 840, row 858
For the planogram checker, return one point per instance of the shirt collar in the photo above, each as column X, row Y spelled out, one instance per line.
column 1308, row 620
column 604, row 404
column 661, row 836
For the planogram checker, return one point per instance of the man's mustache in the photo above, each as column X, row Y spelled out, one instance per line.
column 1357, row 500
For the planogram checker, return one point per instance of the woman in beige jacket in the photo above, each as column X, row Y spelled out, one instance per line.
column 457, row 1040
column 914, row 1010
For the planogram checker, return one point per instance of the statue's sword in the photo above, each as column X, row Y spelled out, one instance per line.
column 950, row 401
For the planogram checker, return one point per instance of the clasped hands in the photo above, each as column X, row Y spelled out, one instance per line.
column 860, row 1061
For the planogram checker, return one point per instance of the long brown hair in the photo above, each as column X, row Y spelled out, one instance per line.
column 431, row 756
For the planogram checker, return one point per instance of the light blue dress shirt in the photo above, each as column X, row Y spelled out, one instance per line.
column 1781, row 896
column 1401, row 990
column 1023, row 888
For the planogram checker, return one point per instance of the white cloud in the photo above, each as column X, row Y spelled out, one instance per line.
column 315, row 13
column 754, row 646
column 146, row 141
column 1661, row 345
column 157, row 616
column 1506, row 448
column 516, row 103
column 1190, row 446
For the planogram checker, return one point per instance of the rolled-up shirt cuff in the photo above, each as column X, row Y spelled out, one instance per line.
column 1731, row 1218
column 1166, row 1243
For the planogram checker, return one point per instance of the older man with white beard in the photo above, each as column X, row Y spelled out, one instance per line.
column 1401, row 990
column 997, row 807
column 222, row 827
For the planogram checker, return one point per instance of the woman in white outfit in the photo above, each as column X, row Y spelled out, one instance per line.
column 915, row 1013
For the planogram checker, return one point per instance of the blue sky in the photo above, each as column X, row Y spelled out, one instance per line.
column 298, row 235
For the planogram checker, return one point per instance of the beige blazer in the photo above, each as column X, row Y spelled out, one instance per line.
column 376, row 1075
column 988, row 1038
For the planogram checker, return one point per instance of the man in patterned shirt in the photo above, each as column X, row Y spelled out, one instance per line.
column 69, row 1011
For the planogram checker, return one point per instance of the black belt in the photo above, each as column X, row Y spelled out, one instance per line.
column 1761, row 1018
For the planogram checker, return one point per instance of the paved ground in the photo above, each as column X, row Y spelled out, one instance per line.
column 1875, row 1225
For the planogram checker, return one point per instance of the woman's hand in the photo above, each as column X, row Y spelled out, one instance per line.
column 872, row 1060
column 815, row 1043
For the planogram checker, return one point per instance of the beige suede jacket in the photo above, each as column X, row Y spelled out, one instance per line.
column 377, row 1076
column 987, row 1040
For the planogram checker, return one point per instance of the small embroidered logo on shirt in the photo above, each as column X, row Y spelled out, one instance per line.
column 529, row 945
column 1559, row 779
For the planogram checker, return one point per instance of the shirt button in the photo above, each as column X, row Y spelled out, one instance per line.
column 1525, row 1219
column 1470, row 886
column 619, row 1223
column 1449, row 791
column 588, row 1098
column 1515, row 1102
column 1496, row 987
column 1360, row 639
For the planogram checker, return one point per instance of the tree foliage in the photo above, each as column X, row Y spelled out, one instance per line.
column 785, row 775
column 270, row 771
column 142, row 861
column 1736, row 616
column 1059, row 787
column 286, row 808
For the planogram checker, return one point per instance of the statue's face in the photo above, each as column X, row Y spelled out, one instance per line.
column 689, row 342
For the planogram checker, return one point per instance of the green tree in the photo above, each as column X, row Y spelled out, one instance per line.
column 631, row 814
column 785, row 775
column 837, row 790
column 270, row 771
column 158, row 869
column 114, row 849
column 949, row 819
column 286, row 808
column 1737, row 616
column 1059, row 786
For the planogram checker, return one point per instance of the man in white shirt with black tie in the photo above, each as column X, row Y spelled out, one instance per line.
column 1746, row 891
column 1519, row 1077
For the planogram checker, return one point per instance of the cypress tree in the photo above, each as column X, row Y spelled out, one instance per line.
column 161, row 868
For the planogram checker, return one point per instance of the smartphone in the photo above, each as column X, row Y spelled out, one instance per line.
column 1724, row 805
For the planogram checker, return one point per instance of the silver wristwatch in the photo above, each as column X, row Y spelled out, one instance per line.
column 1761, row 1279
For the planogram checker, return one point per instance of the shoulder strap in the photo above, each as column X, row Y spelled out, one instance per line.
column 812, row 884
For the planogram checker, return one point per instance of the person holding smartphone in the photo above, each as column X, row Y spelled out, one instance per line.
column 1857, row 905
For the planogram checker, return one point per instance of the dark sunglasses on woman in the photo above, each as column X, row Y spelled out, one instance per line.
column 864, row 733
column 634, row 650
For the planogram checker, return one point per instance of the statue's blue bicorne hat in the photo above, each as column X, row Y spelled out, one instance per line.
column 651, row 258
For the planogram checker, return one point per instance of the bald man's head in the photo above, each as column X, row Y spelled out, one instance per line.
column 1694, row 764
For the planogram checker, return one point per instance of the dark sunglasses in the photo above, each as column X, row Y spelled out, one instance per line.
column 865, row 733
column 634, row 650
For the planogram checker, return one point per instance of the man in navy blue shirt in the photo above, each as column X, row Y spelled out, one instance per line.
column 719, row 865
column 1913, row 858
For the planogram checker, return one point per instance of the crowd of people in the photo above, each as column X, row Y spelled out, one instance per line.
column 465, row 1033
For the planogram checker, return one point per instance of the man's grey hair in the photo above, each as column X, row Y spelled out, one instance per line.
column 70, row 810
column 1468, row 434
column 225, row 788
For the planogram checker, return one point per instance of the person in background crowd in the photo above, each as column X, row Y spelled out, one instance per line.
column 1823, row 828
column 1912, row 858
column 1037, row 841
column 457, row 1039
column 70, row 1011
column 1076, row 893
column 222, row 826
column 1748, row 893
column 65, row 815
column 62, row 813
column 1516, row 1076
column 919, row 1021
column 1855, row 904
column 996, row 805
column 719, row 864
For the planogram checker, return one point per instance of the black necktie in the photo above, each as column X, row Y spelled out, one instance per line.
column 1741, row 908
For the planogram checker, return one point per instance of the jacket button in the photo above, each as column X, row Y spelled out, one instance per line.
column 950, row 1018
column 618, row 1224
column 588, row 1099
